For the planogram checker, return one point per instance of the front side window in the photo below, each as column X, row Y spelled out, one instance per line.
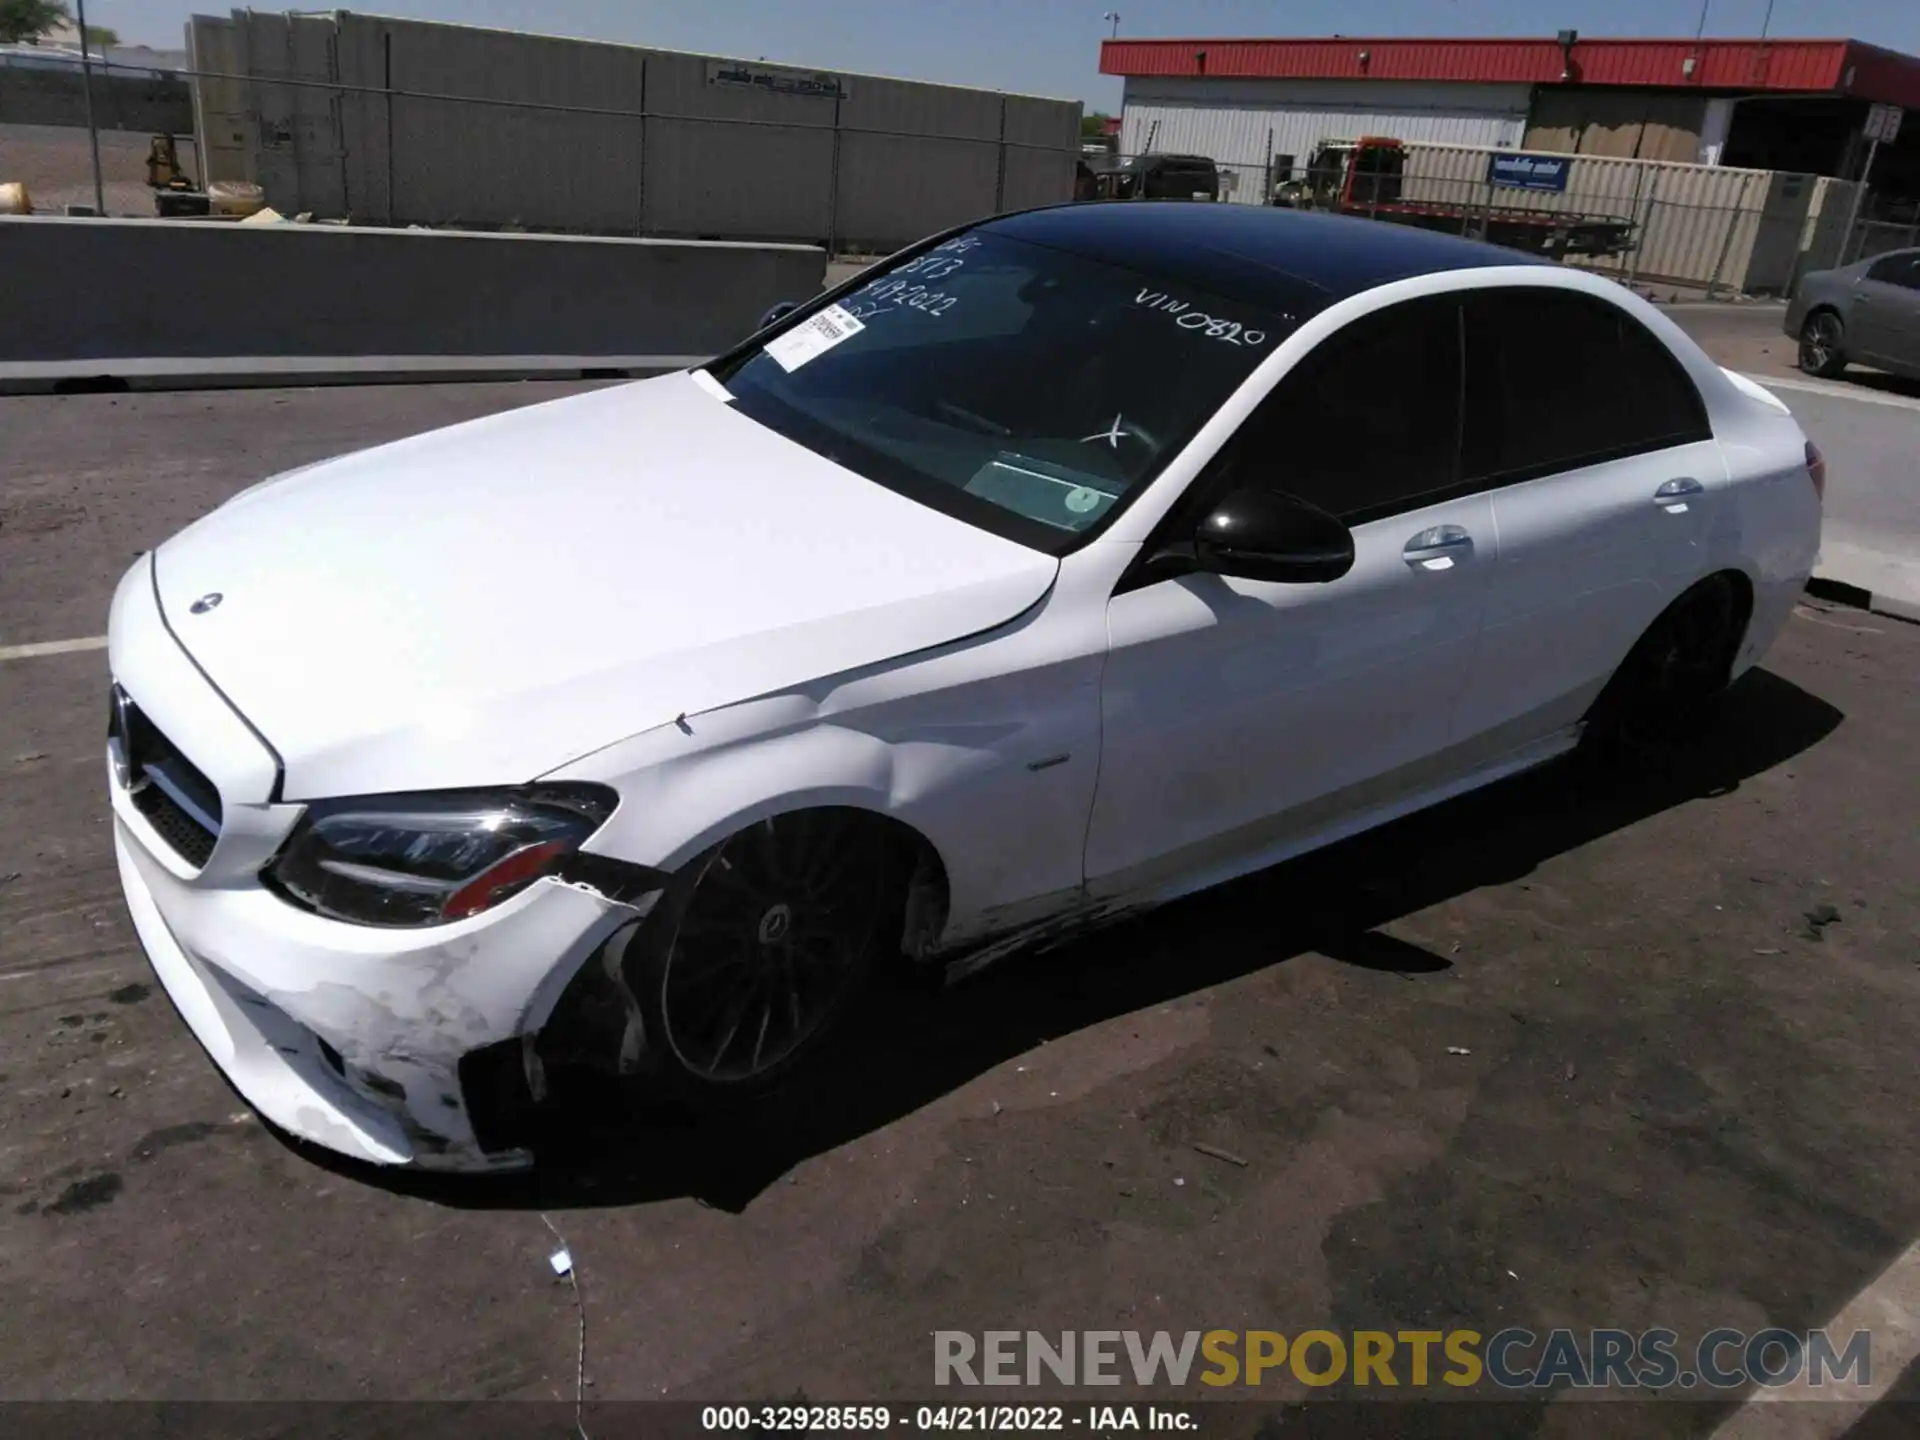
column 1557, row 380
column 1023, row 388
column 1368, row 423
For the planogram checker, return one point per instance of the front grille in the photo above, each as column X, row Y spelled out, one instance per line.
column 175, row 826
column 179, row 802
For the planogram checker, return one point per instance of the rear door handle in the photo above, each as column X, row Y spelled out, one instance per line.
column 1438, row 547
column 1674, row 495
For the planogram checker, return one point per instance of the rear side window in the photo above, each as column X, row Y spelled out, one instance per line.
column 1368, row 423
column 1557, row 380
column 1903, row 269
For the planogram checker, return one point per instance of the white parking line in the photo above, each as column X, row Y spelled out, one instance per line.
column 1839, row 392
column 1890, row 1309
column 52, row 647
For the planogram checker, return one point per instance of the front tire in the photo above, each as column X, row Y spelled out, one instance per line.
column 760, row 950
column 1821, row 345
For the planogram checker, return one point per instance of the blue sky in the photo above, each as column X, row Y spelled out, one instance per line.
column 1051, row 47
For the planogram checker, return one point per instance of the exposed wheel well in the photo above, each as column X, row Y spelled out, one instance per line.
column 596, row 1020
column 1742, row 609
column 1741, row 593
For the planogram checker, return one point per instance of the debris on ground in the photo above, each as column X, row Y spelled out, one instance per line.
column 1218, row 1154
column 562, row 1262
column 1571, row 1072
column 1458, row 1050
column 1818, row 918
column 1179, row 1180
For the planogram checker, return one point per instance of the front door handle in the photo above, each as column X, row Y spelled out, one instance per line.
column 1438, row 547
column 1674, row 495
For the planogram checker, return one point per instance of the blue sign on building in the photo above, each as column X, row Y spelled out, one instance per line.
column 1529, row 172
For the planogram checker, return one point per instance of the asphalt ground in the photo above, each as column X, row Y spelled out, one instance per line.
column 1556, row 1054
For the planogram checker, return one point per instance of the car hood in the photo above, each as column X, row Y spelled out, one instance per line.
column 485, row 603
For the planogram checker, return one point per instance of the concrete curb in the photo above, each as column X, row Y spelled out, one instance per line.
column 1839, row 592
column 1875, row 579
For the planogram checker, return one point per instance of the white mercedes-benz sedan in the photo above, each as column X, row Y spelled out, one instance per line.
column 1058, row 566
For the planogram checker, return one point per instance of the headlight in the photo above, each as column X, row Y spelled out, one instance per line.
column 431, row 858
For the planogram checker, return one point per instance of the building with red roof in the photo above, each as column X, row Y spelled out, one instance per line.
column 1793, row 105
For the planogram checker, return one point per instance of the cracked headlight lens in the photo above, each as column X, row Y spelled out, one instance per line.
column 427, row 859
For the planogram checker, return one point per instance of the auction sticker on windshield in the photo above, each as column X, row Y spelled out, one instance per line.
column 812, row 337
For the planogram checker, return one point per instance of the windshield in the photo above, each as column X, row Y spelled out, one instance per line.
column 1026, row 389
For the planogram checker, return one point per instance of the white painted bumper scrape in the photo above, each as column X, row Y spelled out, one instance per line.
column 262, row 985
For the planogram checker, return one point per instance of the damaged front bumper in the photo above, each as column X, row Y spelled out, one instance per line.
column 354, row 1038
column 399, row 1047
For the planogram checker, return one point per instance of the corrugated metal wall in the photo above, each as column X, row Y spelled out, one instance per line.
column 771, row 179
column 298, row 155
column 1243, row 124
column 222, row 128
column 1633, row 124
column 453, row 125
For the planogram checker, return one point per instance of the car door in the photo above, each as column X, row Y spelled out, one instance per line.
column 1884, row 327
column 1239, row 715
column 1595, row 448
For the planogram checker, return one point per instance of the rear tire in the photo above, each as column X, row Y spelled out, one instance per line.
column 1821, row 345
column 1664, row 691
column 760, row 951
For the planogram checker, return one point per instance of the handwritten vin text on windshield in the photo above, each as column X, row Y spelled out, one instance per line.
column 1229, row 332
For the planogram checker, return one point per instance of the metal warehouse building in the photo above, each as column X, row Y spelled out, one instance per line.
column 1262, row 105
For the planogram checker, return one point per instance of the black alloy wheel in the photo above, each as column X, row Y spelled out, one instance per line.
column 1820, row 341
column 772, row 945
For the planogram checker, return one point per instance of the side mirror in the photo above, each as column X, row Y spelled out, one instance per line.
column 1261, row 534
column 779, row 311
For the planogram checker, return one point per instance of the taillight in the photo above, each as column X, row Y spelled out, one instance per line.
column 1817, row 470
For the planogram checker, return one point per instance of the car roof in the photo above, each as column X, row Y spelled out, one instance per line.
column 1289, row 262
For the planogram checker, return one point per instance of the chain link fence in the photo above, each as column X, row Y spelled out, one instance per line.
column 1886, row 225
column 1664, row 227
column 402, row 122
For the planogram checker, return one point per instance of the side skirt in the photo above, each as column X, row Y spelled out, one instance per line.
column 1068, row 915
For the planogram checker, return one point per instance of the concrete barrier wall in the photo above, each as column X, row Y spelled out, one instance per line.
column 117, row 294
